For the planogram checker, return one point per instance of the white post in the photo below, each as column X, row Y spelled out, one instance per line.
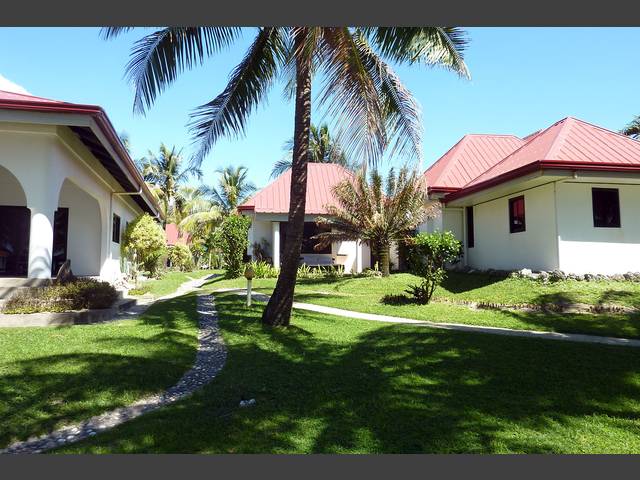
column 358, row 256
column 248, row 292
column 251, row 236
column 41, row 243
column 275, row 243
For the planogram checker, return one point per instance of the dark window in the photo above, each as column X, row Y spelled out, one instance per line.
column 115, row 234
column 606, row 207
column 60, row 233
column 15, row 223
column 311, row 229
column 470, row 237
column 516, row 215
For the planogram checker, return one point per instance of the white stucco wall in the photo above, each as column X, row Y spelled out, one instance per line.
column 586, row 249
column 42, row 158
column 535, row 248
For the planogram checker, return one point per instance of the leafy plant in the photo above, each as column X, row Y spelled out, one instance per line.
column 260, row 250
column 144, row 241
column 264, row 269
column 231, row 239
column 76, row 295
column 334, row 272
column 180, row 257
column 376, row 212
column 428, row 255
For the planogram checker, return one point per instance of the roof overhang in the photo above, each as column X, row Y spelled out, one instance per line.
column 528, row 176
column 94, row 129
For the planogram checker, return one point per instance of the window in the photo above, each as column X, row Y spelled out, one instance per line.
column 470, row 237
column 311, row 229
column 606, row 207
column 115, row 232
column 516, row 215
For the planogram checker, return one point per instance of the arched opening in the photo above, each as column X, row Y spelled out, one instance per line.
column 77, row 231
column 15, row 221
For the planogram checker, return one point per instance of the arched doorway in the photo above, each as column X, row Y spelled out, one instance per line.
column 15, row 221
column 77, row 231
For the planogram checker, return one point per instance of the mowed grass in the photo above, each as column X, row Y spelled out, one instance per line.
column 338, row 385
column 54, row 376
column 169, row 282
column 366, row 294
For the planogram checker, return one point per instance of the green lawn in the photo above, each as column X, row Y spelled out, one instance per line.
column 54, row 376
column 365, row 294
column 169, row 283
column 337, row 385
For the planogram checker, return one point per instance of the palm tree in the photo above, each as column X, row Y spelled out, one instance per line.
column 322, row 149
column 370, row 108
column 164, row 173
column 233, row 188
column 632, row 129
column 376, row 214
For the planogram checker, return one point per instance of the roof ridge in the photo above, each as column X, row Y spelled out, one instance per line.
column 526, row 143
column 560, row 137
column 451, row 150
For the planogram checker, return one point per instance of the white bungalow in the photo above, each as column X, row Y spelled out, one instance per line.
column 68, row 188
column 269, row 210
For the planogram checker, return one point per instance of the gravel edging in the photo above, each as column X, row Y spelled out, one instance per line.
column 210, row 358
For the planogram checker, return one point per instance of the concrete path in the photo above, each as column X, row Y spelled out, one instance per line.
column 569, row 337
column 210, row 358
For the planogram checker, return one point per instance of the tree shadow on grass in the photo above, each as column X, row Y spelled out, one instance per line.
column 457, row 282
column 341, row 385
column 96, row 373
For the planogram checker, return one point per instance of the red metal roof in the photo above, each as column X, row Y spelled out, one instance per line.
column 321, row 177
column 567, row 144
column 467, row 159
column 20, row 101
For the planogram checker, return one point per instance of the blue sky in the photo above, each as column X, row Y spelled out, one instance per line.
column 523, row 79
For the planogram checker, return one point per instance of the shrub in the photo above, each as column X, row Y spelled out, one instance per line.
column 76, row 295
column 334, row 272
column 180, row 258
column 264, row 270
column 231, row 239
column 144, row 241
column 428, row 255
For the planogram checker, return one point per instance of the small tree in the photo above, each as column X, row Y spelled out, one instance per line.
column 231, row 238
column 428, row 254
column 180, row 257
column 145, row 239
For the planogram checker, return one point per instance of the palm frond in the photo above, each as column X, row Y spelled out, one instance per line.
column 248, row 86
column 158, row 58
column 632, row 129
column 439, row 46
column 108, row 33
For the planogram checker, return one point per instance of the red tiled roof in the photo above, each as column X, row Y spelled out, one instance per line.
column 21, row 97
column 321, row 177
column 567, row 144
column 467, row 159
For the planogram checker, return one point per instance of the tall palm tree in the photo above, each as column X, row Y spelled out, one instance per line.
column 165, row 173
column 370, row 108
column 375, row 213
column 233, row 188
column 633, row 128
column 323, row 148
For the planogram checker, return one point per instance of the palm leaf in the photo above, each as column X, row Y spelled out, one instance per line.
column 228, row 112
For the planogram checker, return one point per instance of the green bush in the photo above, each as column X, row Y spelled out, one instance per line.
column 144, row 240
column 264, row 270
column 180, row 258
column 231, row 239
column 76, row 295
column 428, row 253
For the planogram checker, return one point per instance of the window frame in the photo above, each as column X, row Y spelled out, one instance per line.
column 617, row 203
column 115, row 231
column 513, row 228
column 470, row 227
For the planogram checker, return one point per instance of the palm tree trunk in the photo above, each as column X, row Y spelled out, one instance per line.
column 278, row 310
column 383, row 258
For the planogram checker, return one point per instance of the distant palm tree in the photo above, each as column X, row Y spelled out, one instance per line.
column 375, row 213
column 164, row 173
column 633, row 128
column 370, row 107
column 322, row 149
column 232, row 190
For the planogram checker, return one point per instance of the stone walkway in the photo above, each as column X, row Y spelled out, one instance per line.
column 210, row 359
column 569, row 337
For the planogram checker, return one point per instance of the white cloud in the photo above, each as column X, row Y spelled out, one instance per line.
column 8, row 86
